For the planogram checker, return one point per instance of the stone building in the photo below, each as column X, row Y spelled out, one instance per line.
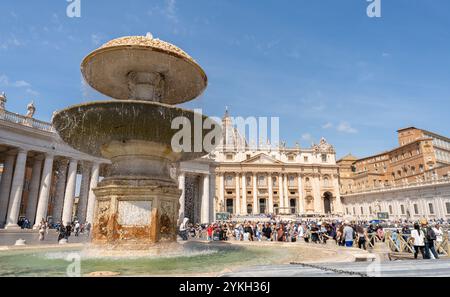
column 409, row 181
column 39, row 172
column 262, row 179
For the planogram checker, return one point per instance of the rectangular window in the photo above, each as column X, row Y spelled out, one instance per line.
column 447, row 205
column 416, row 209
column 431, row 208
column 402, row 207
column 324, row 158
column 390, row 209
column 305, row 159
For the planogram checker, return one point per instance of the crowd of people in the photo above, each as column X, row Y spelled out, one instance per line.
column 422, row 236
column 64, row 231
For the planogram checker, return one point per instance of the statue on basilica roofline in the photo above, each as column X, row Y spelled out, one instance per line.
column 31, row 110
column 323, row 147
column 3, row 101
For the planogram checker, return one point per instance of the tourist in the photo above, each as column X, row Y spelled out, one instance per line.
column 209, row 232
column 348, row 234
column 61, row 232
column 418, row 241
column 361, row 236
column 88, row 228
column 68, row 231
column 380, row 233
column 439, row 235
column 267, row 232
column 280, row 233
column 77, row 228
column 315, row 233
column 248, row 232
column 184, row 229
column 430, row 238
column 42, row 228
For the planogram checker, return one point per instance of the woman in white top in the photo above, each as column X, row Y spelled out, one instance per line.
column 418, row 239
column 439, row 235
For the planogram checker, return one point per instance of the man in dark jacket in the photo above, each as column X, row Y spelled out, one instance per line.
column 267, row 231
column 430, row 238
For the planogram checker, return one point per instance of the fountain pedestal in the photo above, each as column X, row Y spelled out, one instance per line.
column 135, row 211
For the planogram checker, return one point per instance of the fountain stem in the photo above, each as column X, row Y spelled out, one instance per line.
column 147, row 86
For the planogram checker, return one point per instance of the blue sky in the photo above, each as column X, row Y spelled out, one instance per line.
column 322, row 66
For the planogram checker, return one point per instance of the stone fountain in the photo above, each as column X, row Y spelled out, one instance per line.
column 137, row 203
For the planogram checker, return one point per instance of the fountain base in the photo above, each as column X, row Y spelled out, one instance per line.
column 135, row 213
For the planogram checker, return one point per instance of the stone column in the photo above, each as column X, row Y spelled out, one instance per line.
column 182, row 187
column 286, row 192
column 222, row 192
column 205, row 199
column 84, row 192
column 60, row 190
column 238, row 202
column 34, row 189
column 212, row 196
column 255, row 193
column 44, row 193
column 280, row 190
column 338, row 207
column 301, row 200
column 244, row 193
column 70, row 192
column 15, row 197
column 5, row 186
column 317, row 198
column 91, row 200
column 270, row 181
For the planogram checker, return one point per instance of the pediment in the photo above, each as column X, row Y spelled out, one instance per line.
column 262, row 159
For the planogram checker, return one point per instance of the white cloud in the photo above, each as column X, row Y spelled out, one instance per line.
column 96, row 39
column 307, row 137
column 345, row 127
column 32, row 92
column 21, row 84
column 385, row 55
column 5, row 82
column 327, row 125
column 11, row 42
column 169, row 11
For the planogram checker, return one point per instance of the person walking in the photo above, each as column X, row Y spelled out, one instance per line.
column 430, row 238
column 361, row 237
column 184, row 229
column 42, row 230
column 349, row 235
column 61, row 232
column 439, row 235
column 77, row 228
column 418, row 241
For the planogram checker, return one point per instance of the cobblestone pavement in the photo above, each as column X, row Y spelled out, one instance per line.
column 9, row 238
column 406, row 268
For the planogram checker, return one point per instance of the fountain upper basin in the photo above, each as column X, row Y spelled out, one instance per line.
column 108, row 69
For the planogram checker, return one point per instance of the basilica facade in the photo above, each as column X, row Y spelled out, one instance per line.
column 267, row 179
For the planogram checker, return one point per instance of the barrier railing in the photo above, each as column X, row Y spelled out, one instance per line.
column 402, row 243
